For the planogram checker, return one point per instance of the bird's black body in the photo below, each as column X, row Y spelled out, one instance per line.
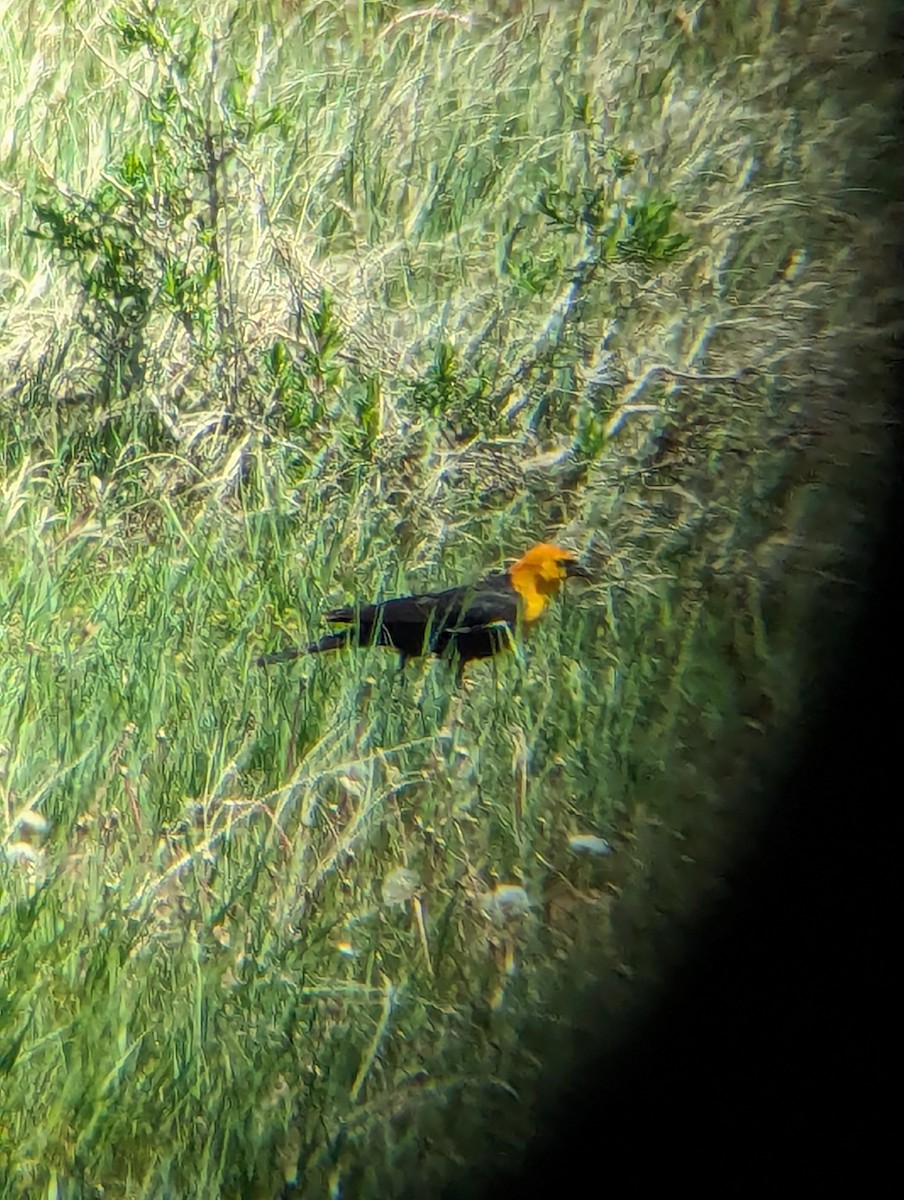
column 463, row 623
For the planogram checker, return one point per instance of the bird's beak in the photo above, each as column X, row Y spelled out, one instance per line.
column 574, row 570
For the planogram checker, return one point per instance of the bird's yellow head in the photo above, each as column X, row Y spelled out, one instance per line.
column 539, row 574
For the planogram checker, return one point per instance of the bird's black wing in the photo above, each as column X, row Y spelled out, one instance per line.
column 491, row 601
column 481, row 623
column 430, row 620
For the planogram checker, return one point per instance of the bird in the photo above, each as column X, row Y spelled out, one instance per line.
column 459, row 625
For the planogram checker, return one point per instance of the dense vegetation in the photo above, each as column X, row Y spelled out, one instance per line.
column 304, row 302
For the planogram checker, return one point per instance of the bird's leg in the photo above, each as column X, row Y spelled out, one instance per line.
column 514, row 644
column 452, row 723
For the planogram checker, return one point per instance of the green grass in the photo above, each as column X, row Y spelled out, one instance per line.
column 336, row 301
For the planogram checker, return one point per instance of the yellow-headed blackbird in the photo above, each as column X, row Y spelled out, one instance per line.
column 461, row 624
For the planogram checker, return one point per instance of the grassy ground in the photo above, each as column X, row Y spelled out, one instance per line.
column 309, row 302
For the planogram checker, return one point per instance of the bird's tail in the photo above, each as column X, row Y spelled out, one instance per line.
column 332, row 641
